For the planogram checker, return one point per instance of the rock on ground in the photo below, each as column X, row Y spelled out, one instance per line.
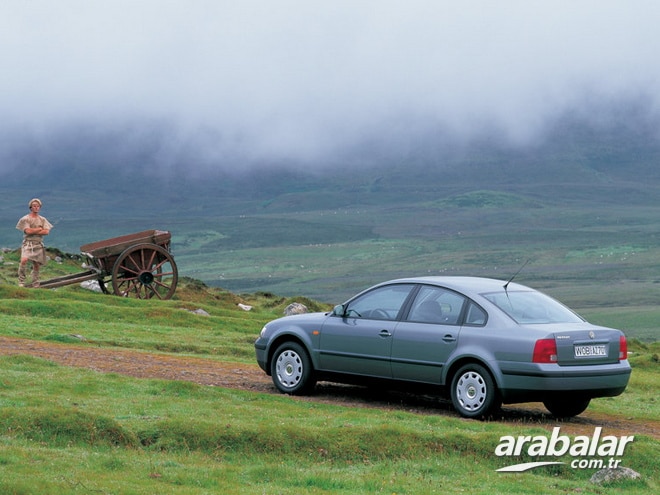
column 614, row 474
column 295, row 308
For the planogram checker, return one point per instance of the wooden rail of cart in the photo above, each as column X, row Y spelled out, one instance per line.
column 136, row 265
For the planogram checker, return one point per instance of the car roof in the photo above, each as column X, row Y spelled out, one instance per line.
column 469, row 286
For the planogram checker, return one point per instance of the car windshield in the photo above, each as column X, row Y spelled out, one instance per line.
column 532, row 307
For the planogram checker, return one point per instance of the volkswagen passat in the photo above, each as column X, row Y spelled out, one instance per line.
column 483, row 342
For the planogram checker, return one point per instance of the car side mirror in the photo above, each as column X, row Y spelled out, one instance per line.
column 339, row 310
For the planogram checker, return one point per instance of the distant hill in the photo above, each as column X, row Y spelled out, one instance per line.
column 586, row 188
column 609, row 156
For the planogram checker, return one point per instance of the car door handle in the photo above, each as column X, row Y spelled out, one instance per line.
column 449, row 338
column 385, row 333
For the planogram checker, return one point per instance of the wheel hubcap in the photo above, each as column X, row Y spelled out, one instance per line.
column 471, row 391
column 289, row 369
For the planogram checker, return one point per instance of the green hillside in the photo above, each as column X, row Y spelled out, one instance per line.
column 581, row 205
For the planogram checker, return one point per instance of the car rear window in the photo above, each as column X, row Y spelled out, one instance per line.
column 532, row 307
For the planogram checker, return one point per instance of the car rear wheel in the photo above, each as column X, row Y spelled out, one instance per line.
column 473, row 392
column 566, row 407
column 291, row 369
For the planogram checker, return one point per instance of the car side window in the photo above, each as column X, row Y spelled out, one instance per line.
column 383, row 303
column 436, row 305
column 475, row 316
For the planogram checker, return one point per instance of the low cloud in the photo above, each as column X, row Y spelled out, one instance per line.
column 228, row 84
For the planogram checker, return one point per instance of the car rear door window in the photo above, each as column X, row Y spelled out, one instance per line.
column 436, row 305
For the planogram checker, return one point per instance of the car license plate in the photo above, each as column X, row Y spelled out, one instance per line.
column 590, row 350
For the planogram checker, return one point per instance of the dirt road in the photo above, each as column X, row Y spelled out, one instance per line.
column 250, row 377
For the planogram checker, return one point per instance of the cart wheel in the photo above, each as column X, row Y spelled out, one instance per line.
column 145, row 271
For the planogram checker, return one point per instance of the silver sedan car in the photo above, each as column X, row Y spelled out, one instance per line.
column 483, row 342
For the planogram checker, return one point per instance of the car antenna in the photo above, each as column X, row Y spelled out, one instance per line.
column 506, row 286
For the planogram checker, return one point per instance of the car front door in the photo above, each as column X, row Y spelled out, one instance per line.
column 423, row 341
column 359, row 340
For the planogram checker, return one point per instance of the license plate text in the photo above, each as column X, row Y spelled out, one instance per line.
column 590, row 350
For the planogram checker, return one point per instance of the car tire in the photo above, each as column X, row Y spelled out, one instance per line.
column 291, row 369
column 566, row 407
column 473, row 392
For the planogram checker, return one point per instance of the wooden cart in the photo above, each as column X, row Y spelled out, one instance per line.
column 136, row 265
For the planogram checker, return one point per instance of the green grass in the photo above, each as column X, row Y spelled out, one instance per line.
column 640, row 399
column 328, row 241
column 65, row 430
column 329, row 254
column 69, row 430
column 70, row 314
column 640, row 322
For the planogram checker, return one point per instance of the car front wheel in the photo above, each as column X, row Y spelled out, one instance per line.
column 291, row 369
column 473, row 392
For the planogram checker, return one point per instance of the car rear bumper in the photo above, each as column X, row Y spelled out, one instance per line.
column 540, row 381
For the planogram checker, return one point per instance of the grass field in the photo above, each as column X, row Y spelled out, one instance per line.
column 68, row 430
column 72, row 431
column 578, row 209
column 566, row 253
column 585, row 228
column 588, row 256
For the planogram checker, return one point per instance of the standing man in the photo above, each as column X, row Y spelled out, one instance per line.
column 34, row 228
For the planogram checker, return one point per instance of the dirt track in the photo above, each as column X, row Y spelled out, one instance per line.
column 250, row 377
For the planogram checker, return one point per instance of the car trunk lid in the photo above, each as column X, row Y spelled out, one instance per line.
column 587, row 346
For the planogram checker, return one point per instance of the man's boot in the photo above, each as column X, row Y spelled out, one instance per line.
column 21, row 275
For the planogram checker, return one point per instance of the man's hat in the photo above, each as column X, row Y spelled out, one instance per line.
column 34, row 200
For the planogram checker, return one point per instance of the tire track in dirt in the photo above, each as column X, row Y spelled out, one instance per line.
column 140, row 364
column 241, row 376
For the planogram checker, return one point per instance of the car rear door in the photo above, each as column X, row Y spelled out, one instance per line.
column 360, row 341
column 427, row 336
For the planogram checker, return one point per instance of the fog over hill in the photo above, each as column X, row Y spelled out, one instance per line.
column 614, row 148
column 589, row 184
column 314, row 147
column 155, row 99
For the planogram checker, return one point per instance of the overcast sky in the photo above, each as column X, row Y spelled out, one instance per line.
column 300, row 79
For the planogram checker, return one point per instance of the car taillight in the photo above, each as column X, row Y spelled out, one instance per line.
column 545, row 351
column 623, row 348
